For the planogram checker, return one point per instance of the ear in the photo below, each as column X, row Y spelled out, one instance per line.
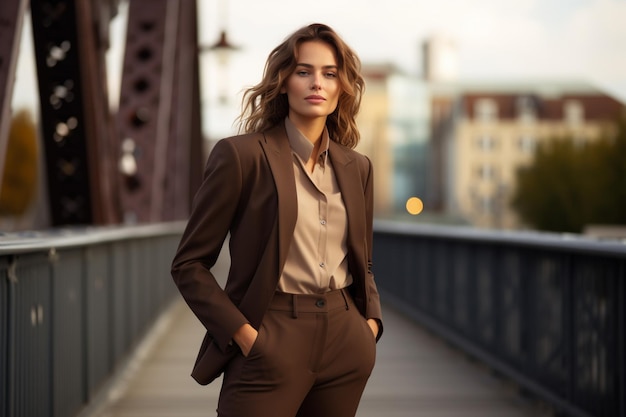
column 283, row 89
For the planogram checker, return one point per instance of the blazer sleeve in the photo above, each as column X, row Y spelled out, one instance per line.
column 212, row 213
column 373, row 302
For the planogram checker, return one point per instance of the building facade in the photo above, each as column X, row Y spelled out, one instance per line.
column 482, row 134
column 394, row 127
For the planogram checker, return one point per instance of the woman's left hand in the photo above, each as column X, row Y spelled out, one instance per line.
column 374, row 326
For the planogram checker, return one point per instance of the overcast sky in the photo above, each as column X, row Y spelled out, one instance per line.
column 510, row 40
column 503, row 39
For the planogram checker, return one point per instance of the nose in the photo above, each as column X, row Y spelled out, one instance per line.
column 317, row 83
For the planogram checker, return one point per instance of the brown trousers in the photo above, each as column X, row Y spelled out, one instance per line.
column 312, row 358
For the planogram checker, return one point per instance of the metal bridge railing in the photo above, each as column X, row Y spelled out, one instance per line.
column 73, row 304
column 545, row 310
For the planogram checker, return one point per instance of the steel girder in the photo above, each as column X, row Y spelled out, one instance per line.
column 75, row 119
column 158, row 116
column 11, row 15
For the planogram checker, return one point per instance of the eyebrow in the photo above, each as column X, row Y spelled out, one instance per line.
column 300, row 64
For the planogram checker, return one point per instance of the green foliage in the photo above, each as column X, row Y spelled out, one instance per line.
column 19, row 181
column 569, row 186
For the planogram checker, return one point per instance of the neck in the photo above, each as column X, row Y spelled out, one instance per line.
column 311, row 128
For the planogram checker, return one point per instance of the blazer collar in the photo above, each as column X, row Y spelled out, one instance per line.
column 339, row 154
column 278, row 152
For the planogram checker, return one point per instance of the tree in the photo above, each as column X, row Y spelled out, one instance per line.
column 19, row 181
column 569, row 186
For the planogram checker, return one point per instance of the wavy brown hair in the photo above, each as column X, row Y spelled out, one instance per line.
column 264, row 106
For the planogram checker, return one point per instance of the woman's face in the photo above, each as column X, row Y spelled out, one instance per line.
column 313, row 88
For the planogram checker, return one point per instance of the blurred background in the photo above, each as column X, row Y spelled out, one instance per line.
column 490, row 114
column 489, row 123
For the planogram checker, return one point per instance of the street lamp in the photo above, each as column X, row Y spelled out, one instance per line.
column 223, row 50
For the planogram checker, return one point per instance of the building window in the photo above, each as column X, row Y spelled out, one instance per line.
column 486, row 110
column 526, row 109
column 573, row 112
column 485, row 142
column 527, row 144
column 485, row 172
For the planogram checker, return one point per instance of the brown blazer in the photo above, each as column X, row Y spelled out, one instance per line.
column 249, row 191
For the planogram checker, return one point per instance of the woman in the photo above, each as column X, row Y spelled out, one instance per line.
column 294, row 329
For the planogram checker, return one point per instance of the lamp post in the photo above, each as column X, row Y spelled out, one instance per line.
column 223, row 50
column 218, row 110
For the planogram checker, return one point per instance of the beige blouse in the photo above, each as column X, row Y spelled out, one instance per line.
column 317, row 261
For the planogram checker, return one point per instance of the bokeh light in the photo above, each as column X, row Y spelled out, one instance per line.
column 414, row 206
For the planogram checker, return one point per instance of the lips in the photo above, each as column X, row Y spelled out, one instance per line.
column 315, row 99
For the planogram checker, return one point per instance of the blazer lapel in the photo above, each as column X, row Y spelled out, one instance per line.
column 278, row 153
column 351, row 186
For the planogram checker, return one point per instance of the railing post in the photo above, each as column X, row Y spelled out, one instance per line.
column 621, row 305
column 5, row 318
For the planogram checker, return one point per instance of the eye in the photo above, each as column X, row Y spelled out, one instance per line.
column 331, row 75
column 302, row 73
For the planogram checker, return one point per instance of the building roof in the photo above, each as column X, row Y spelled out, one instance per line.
column 543, row 88
column 380, row 70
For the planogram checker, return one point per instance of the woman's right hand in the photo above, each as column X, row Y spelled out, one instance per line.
column 245, row 337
